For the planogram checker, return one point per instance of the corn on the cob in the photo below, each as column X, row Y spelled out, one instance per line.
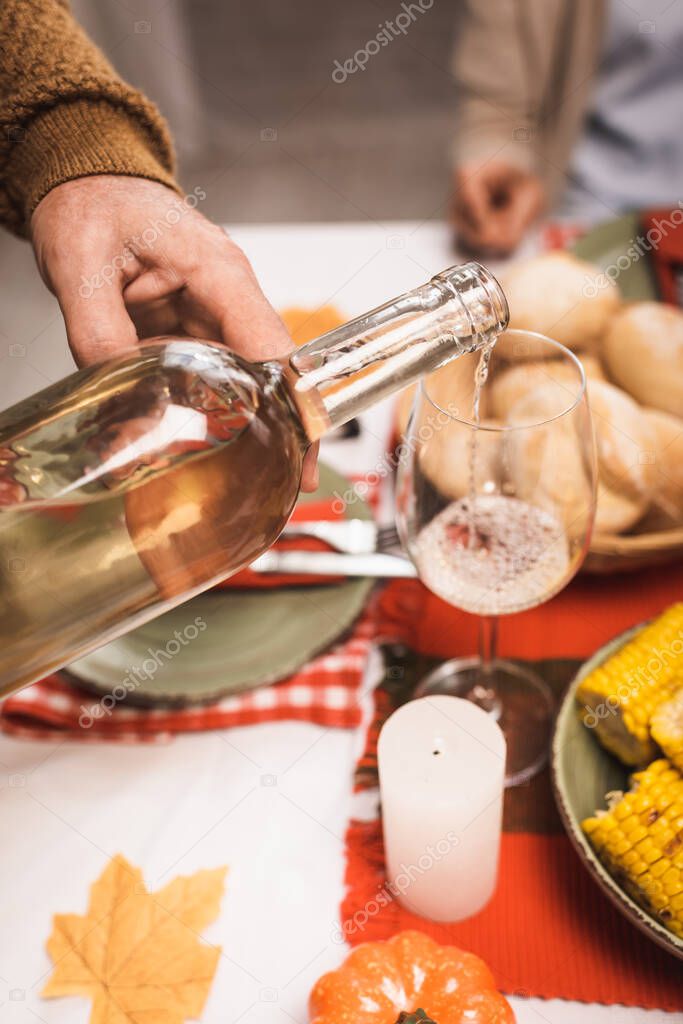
column 619, row 697
column 666, row 726
column 640, row 841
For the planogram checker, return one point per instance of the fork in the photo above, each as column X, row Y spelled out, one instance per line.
column 351, row 536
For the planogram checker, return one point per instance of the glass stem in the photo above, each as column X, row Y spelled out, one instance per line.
column 485, row 692
column 488, row 642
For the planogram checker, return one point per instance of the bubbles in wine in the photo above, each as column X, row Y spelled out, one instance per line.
column 501, row 556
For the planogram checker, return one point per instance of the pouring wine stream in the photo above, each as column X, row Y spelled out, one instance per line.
column 509, row 535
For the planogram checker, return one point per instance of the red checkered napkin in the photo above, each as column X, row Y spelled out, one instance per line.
column 326, row 692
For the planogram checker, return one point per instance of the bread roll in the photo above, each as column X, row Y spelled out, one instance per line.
column 643, row 350
column 512, row 384
column 625, row 439
column 549, row 461
column 445, row 460
column 562, row 297
column 546, row 464
column 625, row 442
column 668, row 448
column 451, row 387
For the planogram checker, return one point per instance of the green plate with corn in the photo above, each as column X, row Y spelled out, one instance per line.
column 617, row 765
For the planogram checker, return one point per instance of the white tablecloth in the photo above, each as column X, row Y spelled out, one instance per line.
column 271, row 801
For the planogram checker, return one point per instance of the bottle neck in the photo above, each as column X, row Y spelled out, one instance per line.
column 337, row 376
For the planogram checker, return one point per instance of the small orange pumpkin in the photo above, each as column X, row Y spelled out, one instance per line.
column 381, row 980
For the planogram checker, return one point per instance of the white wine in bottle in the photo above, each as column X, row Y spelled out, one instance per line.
column 134, row 485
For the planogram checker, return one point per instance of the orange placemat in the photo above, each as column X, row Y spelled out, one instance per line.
column 549, row 931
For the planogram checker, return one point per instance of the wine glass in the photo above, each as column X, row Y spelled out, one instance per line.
column 495, row 503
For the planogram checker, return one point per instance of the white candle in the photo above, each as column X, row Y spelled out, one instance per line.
column 441, row 771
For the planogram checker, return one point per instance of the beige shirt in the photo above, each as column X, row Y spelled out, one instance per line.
column 525, row 71
column 630, row 154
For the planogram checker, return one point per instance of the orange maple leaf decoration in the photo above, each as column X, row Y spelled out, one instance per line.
column 137, row 954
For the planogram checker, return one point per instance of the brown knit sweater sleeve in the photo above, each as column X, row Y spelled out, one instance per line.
column 64, row 112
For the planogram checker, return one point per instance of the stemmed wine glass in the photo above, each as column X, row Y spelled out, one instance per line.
column 496, row 498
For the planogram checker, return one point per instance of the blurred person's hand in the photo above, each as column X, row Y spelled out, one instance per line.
column 127, row 259
column 494, row 205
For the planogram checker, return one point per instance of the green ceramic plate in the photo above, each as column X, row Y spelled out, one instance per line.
column 250, row 637
column 583, row 772
column 607, row 242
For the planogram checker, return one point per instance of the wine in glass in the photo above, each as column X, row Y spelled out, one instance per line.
column 496, row 498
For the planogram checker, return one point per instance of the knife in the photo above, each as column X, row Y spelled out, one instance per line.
column 332, row 563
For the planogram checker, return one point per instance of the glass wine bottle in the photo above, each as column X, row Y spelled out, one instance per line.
column 135, row 484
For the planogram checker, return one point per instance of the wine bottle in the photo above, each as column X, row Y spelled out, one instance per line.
column 135, row 484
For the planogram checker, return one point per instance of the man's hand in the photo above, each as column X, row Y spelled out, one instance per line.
column 494, row 204
column 128, row 259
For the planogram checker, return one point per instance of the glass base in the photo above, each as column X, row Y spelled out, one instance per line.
column 519, row 700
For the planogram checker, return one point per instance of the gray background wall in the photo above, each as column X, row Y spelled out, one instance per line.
column 224, row 72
